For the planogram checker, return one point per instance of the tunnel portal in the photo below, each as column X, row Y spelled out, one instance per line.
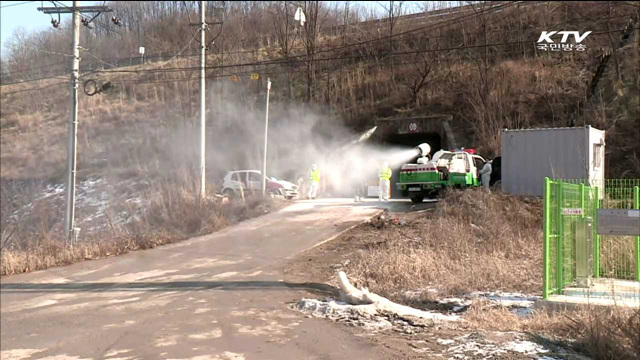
column 410, row 132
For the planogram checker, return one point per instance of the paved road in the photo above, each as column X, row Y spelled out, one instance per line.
column 214, row 297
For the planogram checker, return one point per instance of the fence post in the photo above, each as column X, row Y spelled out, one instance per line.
column 560, row 239
column 596, row 243
column 582, row 200
column 547, row 230
column 636, row 205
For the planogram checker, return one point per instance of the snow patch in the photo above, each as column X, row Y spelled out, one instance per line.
column 445, row 342
column 366, row 316
column 507, row 299
column 525, row 347
column 479, row 345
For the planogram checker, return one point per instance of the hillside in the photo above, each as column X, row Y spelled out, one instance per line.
column 478, row 64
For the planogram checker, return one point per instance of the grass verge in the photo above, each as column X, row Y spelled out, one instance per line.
column 173, row 212
column 472, row 241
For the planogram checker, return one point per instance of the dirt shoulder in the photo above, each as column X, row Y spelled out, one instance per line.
column 476, row 257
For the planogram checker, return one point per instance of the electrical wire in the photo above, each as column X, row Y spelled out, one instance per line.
column 22, row 3
column 427, row 27
column 268, row 71
column 171, row 70
column 100, row 60
column 285, row 61
column 106, row 27
column 302, row 48
column 35, row 89
column 151, row 56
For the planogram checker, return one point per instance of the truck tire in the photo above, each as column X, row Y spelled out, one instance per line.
column 417, row 199
column 434, row 194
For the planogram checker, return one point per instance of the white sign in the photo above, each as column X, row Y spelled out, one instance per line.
column 572, row 211
column 545, row 42
column 141, row 50
column 299, row 16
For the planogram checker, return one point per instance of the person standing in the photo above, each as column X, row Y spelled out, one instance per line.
column 384, row 175
column 359, row 188
column 485, row 175
column 301, row 188
column 314, row 182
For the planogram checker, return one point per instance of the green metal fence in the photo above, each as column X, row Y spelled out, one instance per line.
column 573, row 250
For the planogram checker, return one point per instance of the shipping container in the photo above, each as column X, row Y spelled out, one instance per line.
column 528, row 156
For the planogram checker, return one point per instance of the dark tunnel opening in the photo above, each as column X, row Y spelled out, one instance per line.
column 410, row 140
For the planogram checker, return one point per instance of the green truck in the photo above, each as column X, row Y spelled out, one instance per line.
column 427, row 177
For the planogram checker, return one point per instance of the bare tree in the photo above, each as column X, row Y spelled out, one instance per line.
column 283, row 28
column 394, row 10
column 425, row 70
column 315, row 14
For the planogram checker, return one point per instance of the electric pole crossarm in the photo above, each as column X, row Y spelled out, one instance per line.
column 70, row 10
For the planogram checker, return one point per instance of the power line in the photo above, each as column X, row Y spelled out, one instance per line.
column 148, row 57
column 278, row 63
column 325, row 50
column 427, row 27
column 269, row 71
column 18, row 4
column 97, row 58
column 106, row 27
column 288, row 61
column 34, row 89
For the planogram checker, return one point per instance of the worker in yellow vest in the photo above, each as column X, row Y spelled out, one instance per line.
column 384, row 174
column 314, row 181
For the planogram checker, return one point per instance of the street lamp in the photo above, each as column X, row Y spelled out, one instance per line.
column 266, row 130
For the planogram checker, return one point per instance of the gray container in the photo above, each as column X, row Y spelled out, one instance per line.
column 528, row 156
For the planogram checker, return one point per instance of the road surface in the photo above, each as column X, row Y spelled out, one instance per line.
column 218, row 296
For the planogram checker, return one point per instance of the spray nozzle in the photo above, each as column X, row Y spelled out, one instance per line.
column 423, row 149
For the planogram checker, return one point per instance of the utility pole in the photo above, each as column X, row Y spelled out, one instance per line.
column 73, row 131
column 266, row 131
column 72, row 148
column 203, row 46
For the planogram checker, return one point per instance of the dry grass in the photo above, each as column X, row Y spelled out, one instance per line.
column 174, row 212
column 474, row 241
column 617, row 257
column 479, row 241
column 602, row 333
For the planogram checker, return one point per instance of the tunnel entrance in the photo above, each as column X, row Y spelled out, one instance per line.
column 410, row 132
column 410, row 141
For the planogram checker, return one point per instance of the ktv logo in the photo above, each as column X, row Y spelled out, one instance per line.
column 545, row 42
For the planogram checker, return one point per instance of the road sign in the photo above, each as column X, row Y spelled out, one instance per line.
column 255, row 76
column 234, row 78
column 141, row 50
column 619, row 222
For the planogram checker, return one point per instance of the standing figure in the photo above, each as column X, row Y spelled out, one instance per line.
column 485, row 174
column 359, row 187
column 314, row 181
column 384, row 174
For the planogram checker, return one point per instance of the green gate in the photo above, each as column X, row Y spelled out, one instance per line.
column 573, row 250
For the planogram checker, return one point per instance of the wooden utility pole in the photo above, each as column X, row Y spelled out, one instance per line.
column 71, row 232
